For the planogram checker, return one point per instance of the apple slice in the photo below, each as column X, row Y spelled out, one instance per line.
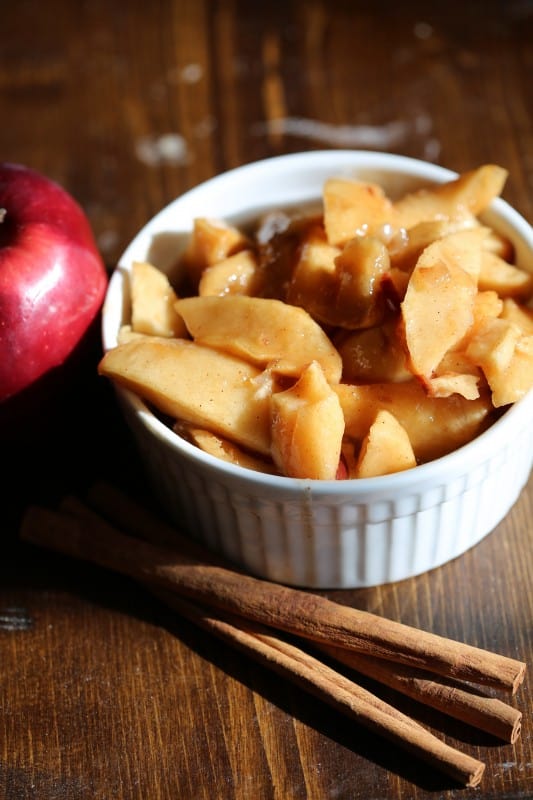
column 355, row 208
column 211, row 241
column 406, row 250
column 462, row 248
column 186, row 381
column 307, row 427
column 127, row 334
column 506, row 357
column 500, row 245
column 236, row 274
column 341, row 287
column 493, row 345
column 521, row 316
column 517, row 379
column 487, row 305
column 264, row 331
column 438, row 308
column 359, row 272
column 152, row 302
column 435, row 426
column 449, row 383
column 385, row 449
column 222, row 448
column 472, row 192
column 312, row 281
column 456, row 374
column 503, row 278
column 373, row 355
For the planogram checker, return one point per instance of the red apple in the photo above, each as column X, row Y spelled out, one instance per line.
column 52, row 278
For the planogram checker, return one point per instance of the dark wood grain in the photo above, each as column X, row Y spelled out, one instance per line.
column 104, row 693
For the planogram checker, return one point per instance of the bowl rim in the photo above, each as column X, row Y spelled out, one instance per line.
column 457, row 462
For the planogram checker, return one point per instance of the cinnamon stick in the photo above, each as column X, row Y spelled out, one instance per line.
column 333, row 688
column 311, row 616
column 488, row 714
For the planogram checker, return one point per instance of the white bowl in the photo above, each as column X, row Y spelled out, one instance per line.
column 322, row 534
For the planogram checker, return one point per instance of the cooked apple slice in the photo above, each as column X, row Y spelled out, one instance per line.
column 233, row 275
column 211, row 241
column 127, row 334
column 438, row 308
column 500, row 245
column 312, row 282
column 355, row 208
column 359, row 272
column 222, row 448
column 456, row 374
column 385, row 449
column 463, row 249
column 405, row 250
column 472, row 192
column 187, row 381
column 307, row 427
column 341, row 287
column 517, row 380
column 437, row 312
column 394, row 286
column 521, row 316
column 435, row 426
column 449, row 383
column 373, row 355
column 263, row 331
column 152, row 302
column 487, row 305
column 503, row 278
column 493, row 344
column 506, row 357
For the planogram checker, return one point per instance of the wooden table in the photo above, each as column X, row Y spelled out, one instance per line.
column 105, row 693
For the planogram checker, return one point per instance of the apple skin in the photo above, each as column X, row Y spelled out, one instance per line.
column 52, row 277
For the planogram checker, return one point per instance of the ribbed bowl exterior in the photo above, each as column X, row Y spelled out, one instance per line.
column 317, row 534
column 344, row 539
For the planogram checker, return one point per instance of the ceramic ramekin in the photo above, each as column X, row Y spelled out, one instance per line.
column 322, row 534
